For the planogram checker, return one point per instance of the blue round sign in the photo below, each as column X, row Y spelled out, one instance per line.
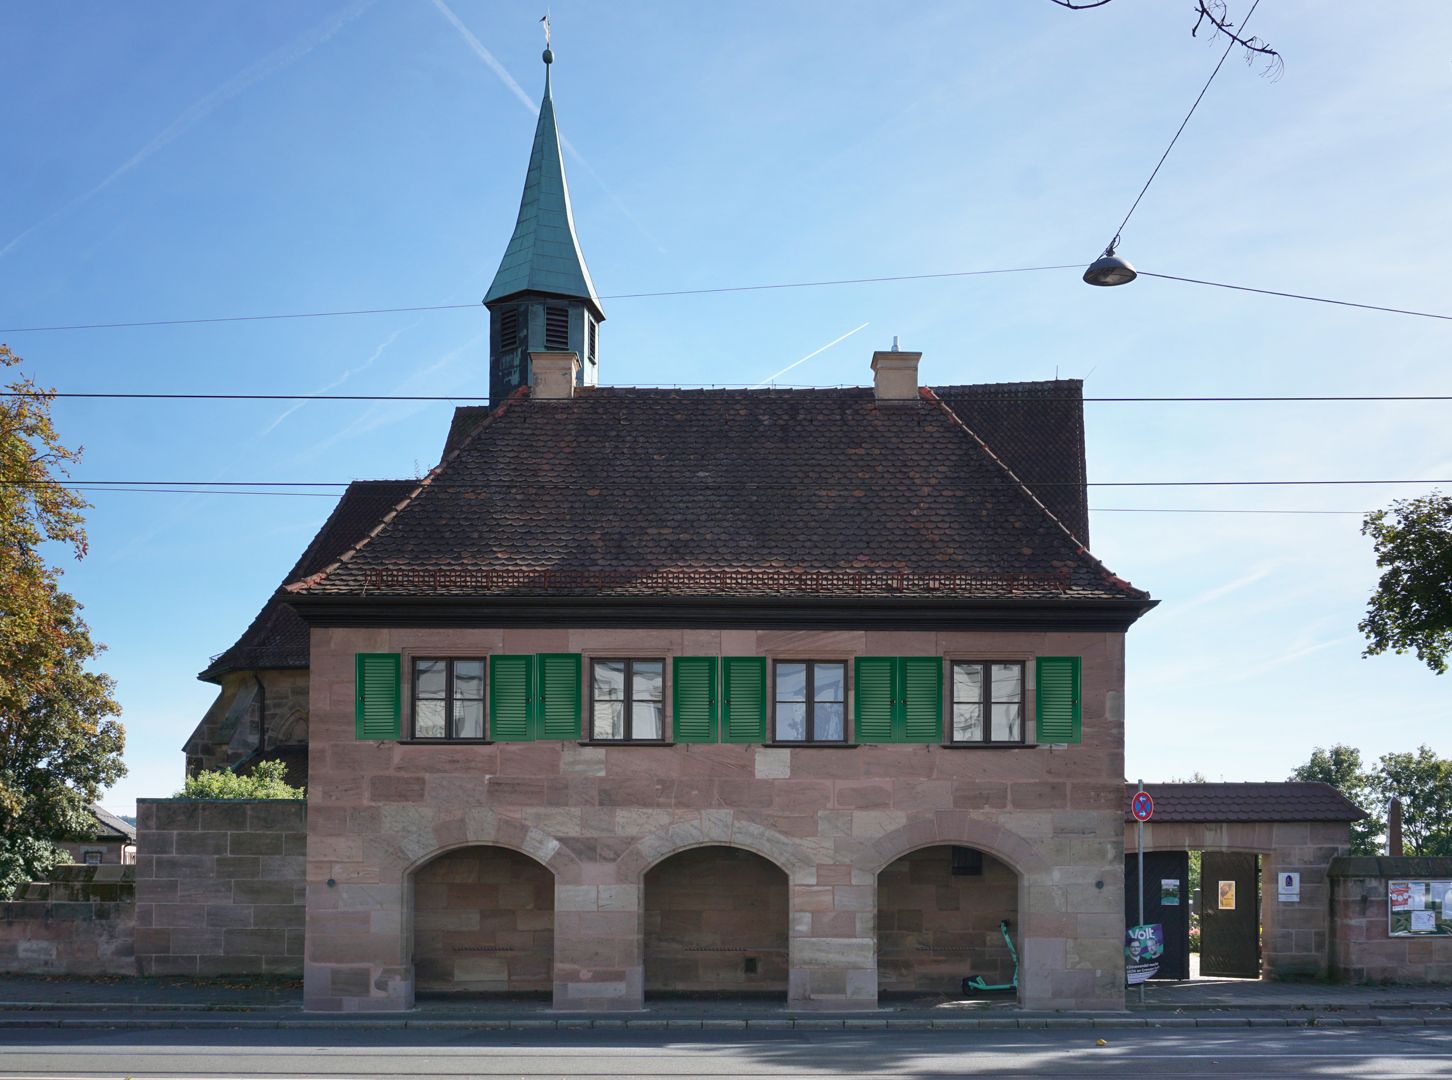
column 1142, row 806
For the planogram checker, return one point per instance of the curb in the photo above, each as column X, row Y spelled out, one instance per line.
column 1059, row 1023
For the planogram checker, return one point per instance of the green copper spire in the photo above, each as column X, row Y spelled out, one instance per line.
column 543, row 255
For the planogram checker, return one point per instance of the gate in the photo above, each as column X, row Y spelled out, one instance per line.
column 1230, row 915
column 1164, row 903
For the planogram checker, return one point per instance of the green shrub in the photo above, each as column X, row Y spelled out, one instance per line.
column 268, row 780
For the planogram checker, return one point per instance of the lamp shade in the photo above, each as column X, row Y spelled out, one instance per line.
column 1109, row 270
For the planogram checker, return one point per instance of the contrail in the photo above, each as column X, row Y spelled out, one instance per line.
column 492, row 63
column 815, row 352
column 198, row 110
column 339, row 381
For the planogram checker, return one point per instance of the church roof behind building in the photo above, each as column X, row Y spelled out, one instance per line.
column 277, row 638
column 623, row 491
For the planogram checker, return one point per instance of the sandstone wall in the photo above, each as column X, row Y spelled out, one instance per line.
column 220, row 886
column 79, row 923
column 599, row 817
column 1363, row 949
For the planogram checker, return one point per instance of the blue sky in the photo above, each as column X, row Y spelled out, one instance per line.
column 176, row 160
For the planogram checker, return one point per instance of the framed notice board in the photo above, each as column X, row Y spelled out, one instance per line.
column 1419, row 908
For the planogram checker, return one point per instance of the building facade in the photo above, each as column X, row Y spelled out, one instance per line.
column 646, row 692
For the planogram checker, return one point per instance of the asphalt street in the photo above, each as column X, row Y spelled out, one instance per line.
column 1364, row 1053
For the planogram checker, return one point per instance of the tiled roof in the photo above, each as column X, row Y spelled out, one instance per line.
column 1285, row 800
column 1037, row 430
column 623, row 491
column 277, row 638
column 111, row 827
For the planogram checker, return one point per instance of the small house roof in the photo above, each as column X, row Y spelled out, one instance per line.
column 1277, row 800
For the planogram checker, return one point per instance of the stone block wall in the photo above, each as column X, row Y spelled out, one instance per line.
column 935, row 928
column 220, row 886
column 79, row 923
column 716, row 922
column 1295, row 937
column 1363, row 949
column 600, row 817
column 484, row 922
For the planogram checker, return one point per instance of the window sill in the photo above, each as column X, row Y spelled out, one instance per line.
column 812, row 745
column 625, row 742
column 990, row 746
column 446, row 742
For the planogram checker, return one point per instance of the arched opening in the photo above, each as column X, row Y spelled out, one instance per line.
column 939, row 911
column 716, row 925
column 483, row 923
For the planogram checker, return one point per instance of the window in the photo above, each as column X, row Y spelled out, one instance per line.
column 448, row 698
column 627, row 700
column 811, row 701
column 91, row 858
column 987, row 702
column 594, row 331
column 509, row 329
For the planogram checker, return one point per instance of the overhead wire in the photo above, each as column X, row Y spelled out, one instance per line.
column 484, row 399
column 767, row 485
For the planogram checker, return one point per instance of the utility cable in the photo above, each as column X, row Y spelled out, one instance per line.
column 1178, row 132
column 842, row 486
column 1299, row 296
column 484, row 400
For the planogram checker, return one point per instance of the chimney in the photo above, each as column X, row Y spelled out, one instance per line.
column 895, row 375
column 1394, row 828
column 553, row 375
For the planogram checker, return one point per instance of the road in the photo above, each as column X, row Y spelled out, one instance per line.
column 1364, row 1053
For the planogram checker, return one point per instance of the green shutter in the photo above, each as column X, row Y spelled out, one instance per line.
column 743, row 704
column 874, row 686
column 1060, row 710
column 511, row 689
column 378, row 685
column 921, row 698
column 693, row 696
column 558, row 714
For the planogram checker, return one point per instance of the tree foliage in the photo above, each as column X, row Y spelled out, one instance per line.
column 267, row 780
column 1421, row 779
column 58, row 744
column 1341, row 767
column 1411, row 609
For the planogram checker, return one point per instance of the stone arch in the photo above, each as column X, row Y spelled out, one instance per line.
column 413, row 836
column 963, row 830
column 715, row 828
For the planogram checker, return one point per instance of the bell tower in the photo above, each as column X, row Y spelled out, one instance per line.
column 542, row 298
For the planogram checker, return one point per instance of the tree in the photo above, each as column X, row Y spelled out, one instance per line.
column 267, row 780
column 58, row 744
column 1341, row 767
column 1423, row 782
column 1215, row 15
column 1411, row 609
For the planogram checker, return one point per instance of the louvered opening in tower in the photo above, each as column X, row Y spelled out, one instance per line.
column 594, row 332
column 557, row 328
column 509, row 330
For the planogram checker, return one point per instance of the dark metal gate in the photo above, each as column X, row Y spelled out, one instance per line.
column 1230, row 915
column 1166, row 901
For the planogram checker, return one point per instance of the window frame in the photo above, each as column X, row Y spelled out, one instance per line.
column 449, row 718
column 628, row 701
column 986, row 702
column 811, row 702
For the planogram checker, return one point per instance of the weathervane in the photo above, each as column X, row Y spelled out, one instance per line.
column 545, row 19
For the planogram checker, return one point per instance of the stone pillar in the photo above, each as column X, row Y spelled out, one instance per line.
column 833, row 963
column 599, row 961
column 357, row 948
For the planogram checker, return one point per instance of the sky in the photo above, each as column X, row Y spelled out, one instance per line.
column 188, row 161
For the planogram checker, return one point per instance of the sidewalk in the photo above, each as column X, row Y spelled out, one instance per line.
column 244, row 1002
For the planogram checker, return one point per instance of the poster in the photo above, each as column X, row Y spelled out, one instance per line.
column 1288, row 887
column 1143, row 947
column 1416, row 908
column 1226, row 893
column 1169, row 892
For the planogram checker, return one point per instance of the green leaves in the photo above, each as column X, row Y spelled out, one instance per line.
column 1411, row 609
column 58, row 744
column 1421, row 779
column 267, row 780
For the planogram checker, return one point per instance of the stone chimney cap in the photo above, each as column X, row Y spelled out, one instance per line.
column 553, row 375
column 895, row 375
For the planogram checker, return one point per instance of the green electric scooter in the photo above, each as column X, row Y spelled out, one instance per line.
column 977, row 982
